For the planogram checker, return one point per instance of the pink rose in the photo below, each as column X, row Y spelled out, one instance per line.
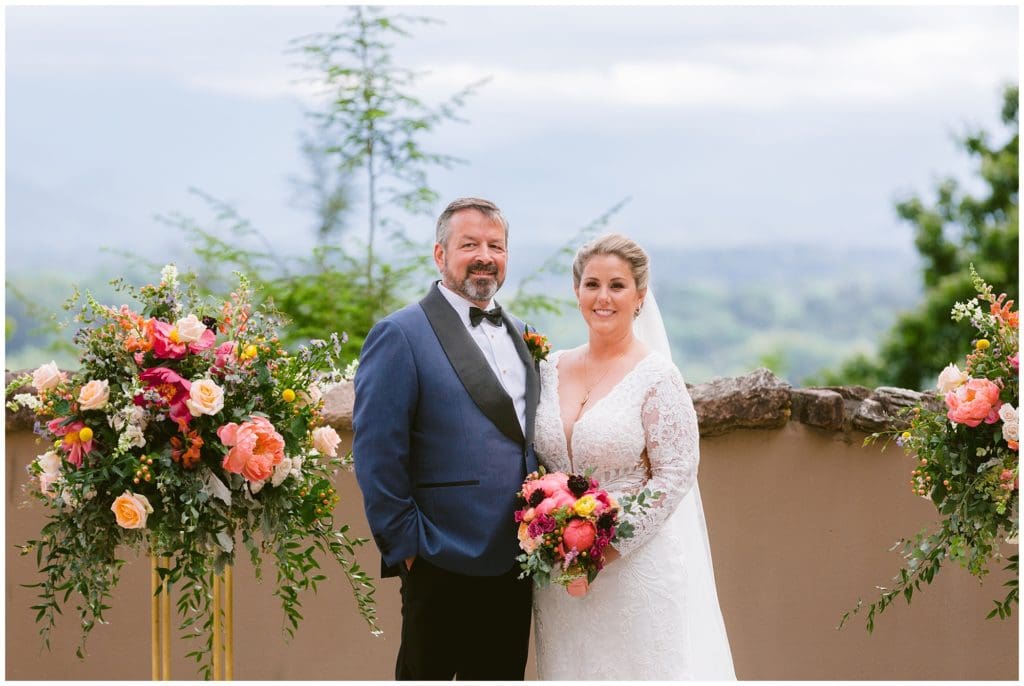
column 579, row 534
column 48, row 377
column 256, row 448
column 974, row 402
column 1014, row 361
column 225, row 353
column 326, row 440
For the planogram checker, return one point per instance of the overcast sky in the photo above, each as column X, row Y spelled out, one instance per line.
column 726, row 126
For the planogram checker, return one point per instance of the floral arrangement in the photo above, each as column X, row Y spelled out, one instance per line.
column 537, row 344
column 966, row 456
column 565, row 523
column 186, row 427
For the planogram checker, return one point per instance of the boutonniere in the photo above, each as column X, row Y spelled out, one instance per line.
column 537, row 344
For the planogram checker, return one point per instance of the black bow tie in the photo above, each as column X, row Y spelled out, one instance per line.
column 476, row 315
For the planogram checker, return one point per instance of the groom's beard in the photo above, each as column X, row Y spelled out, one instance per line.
column 480, row 286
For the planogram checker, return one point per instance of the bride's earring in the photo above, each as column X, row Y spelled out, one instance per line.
column 636, row 312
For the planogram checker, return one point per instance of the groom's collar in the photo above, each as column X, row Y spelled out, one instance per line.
column 459, row 303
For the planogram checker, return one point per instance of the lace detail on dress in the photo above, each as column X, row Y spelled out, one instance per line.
column 633, row 623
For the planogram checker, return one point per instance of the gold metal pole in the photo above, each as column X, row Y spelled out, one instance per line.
column 229, row 623
column 154, row 636
column 215, row 628
column 165, row 625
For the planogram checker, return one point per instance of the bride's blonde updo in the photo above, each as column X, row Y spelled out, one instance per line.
column 623, row 247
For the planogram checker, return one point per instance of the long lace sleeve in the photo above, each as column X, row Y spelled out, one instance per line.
column 672, row 444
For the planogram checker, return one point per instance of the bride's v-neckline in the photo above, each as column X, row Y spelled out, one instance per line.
column 567, row 439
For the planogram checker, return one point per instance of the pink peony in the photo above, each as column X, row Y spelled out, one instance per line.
column 168, row 342
column 974, row 402
column 256, row 448
column 553, row 502
column 579, row 534
column 551, row 483
column 173, row 390
column 1015, row 361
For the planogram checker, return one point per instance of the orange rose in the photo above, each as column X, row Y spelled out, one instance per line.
column 130, row 510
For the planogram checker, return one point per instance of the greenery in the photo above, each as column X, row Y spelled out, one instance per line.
column 172, row 443
column 956, row 229
column 966, row 457
column 374, row 124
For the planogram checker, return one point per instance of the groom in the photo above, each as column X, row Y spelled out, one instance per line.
column 445, row 397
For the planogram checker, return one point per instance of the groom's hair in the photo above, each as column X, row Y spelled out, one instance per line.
column 486, row 207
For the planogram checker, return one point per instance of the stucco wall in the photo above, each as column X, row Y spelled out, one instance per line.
column 800, row 521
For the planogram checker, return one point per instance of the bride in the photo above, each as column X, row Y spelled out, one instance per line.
column 618, row 406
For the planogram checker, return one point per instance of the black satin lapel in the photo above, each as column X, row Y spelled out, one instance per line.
column 470, row 365
column 532, row 375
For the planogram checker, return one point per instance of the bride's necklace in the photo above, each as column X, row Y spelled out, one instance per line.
column 587, row 389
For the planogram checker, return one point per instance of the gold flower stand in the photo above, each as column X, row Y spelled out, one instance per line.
column 223, row 623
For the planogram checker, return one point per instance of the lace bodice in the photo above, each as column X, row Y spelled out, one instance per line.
column 643, row 433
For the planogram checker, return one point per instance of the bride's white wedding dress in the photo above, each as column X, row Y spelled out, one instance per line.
column 653, row 614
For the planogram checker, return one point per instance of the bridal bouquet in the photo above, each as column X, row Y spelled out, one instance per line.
column 186, row 427
column 565, row 523
column 966, row 456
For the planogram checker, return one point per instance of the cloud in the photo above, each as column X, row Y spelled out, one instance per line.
column 868, row 69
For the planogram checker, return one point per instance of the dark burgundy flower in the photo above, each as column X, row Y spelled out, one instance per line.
column 578, row 485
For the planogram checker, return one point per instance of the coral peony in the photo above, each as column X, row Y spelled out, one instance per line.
column 256, row 448
column 553, row 502
column 975, row 402
column 579, row 534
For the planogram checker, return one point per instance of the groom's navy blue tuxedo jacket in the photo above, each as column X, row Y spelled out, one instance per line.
column 439, row 452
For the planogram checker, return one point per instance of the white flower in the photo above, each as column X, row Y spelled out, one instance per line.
column 281, row 472
column 326, row 440
column 951, row 378
column 47, row 377
column 256, row 486
column 131, row 437
column 350, row 370
column 169, row 275
column 205, row 397
column 1011, row 426
column 28, row 400
column 189, row 329
column 94, row 395
column 49, row 462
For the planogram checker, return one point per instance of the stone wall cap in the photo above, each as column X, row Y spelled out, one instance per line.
column 758, row 400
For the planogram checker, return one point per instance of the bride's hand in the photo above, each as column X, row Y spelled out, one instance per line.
column 578, row 587
column 611, row 555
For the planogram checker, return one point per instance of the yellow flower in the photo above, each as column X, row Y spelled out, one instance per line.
column 288, row 395
column 906, row 435
column 585, row 505
column 249, row 352
column 85, row 434
column 982, row 344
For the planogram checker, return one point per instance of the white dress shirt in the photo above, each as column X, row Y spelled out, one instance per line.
column 499, row 350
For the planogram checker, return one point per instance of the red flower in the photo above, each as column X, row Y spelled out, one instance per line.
column 173, row 391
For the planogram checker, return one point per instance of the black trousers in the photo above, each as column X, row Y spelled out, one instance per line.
column 465, row 627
